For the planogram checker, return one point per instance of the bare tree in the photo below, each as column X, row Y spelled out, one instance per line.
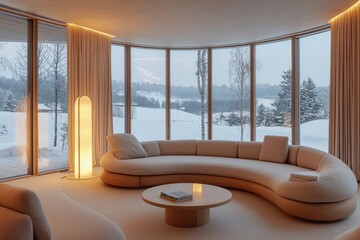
column 64, row 135
column 19, row 65
column 51, row 67
column 57, row 71
column 239, row 71
column 2, row 58
column 201, row 74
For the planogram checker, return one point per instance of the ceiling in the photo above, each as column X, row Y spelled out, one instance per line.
column 189, row 23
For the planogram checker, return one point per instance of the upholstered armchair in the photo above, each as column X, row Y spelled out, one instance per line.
column 21, row 215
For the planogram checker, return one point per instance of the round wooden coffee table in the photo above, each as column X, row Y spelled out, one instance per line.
column 192, row 213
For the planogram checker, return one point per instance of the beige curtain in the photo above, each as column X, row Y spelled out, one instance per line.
column 89, row 60
column 344, row 134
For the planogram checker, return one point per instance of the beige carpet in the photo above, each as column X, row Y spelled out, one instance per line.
column 246, row 217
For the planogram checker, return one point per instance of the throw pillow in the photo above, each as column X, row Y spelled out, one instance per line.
column 274, row 149
column 151, row 148
column 126, row 146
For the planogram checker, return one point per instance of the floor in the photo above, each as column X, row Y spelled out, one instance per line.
column 246, row 217
column 12, row 166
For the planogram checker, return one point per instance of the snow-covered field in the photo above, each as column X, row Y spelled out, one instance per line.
column 147, row 124
column 13, row 143
column 266, row 102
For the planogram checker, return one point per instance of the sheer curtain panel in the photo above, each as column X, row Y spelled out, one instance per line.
column 89, row 63
column 344, row 132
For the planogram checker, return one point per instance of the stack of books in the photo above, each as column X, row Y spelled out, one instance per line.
column 176, row 195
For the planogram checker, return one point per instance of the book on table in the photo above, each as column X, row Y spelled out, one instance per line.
column 176, row 195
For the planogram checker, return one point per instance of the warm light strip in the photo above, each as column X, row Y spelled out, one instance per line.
column 73, row 24
column 349, row 9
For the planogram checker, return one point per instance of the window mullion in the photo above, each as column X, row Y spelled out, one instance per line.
column 32, row 103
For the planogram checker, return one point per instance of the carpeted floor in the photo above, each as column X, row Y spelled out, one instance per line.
column 246, row 217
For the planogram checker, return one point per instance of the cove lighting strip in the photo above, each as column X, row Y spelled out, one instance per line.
column 347, row 10
column 72, row 24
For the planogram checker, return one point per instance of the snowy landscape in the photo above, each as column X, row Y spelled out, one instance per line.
column 149, row 124
column 13, row 136
column 188, row 115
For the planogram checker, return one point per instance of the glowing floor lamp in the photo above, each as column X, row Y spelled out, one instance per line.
column 83, row 138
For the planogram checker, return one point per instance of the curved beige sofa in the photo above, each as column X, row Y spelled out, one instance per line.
column 237, row 165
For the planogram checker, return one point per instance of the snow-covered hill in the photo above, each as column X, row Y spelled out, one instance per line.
column 147, row 124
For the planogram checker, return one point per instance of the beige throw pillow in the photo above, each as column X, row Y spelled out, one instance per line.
column 151, row 148
column 274, row 149
column 126, row 146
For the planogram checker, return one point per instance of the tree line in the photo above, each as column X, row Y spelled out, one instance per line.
column 312, row 106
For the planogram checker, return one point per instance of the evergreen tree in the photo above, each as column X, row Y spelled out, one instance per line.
column 264, row 116
column 220, row 120
column 260, row 117
column 268, row 121
column 9, row 104
column 283, row 102
column 309, row 102
column 3, row 130
column 233, row 119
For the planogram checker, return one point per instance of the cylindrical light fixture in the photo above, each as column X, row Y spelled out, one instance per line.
column 197, row 188
column 83, row 138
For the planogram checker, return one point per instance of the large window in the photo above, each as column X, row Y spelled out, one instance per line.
column 231, row 94
column 314, row 90
column 13, row 96
column 188, row 94
column 118, row 92
column 231, row 98
column 52, row 98
column 148, row 112
column 273, row 89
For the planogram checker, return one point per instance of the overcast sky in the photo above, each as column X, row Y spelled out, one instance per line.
column 271, row 59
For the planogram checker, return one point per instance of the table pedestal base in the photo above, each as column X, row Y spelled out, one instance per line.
column 187, row 217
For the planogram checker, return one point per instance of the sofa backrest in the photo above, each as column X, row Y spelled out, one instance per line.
column 217, row 148
column 297, row 155
column 177, row 147
column 292, row 154
column 151, row 148
column 309, row 157
column 249, row 150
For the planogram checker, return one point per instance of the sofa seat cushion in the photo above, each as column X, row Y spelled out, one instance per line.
column 336, row 183
column 269, row 174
